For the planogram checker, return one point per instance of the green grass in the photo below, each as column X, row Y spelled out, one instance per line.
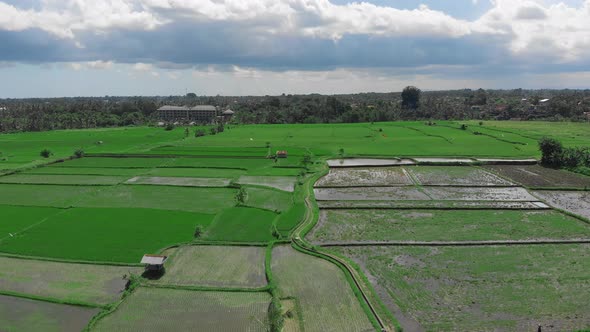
column 99, row 284
column 446, row 225
column 569, row 133
column 87, row 171
column 44, row 195
column 289, row 219
column 22, row 149
column 111, row 162
column 112, row 235
column 398, row 138
column 215, row 266
column 197, row 172
column 16, row 218
column 327, row 300
column 269, row 199
column 63, row 179
column 154, row 309
column 378, row 139
column 482, row 288
column 204, row 200
column 222, row 151
column 18, row 314
column 242, row 224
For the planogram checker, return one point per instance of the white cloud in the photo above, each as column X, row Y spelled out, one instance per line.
column 100, row 64
column 558, row 30
column 143, row 67
column 525, row 27
column 64, row 18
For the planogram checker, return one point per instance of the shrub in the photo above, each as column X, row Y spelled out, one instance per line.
column 46, row 153
column 481, row 123
column 169, row 127
column 199, row 133
column 551, row 152
column 198, row 231
column 463, row 127
column 79, row 153
column 212, row 131
column 241, row 196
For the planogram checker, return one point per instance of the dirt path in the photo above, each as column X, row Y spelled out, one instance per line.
column 451, row 243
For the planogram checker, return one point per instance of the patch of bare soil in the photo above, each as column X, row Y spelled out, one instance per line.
column 372, row 176
column 445, row 160
column 538, row 176
column 480, row 194
column 370, row 193
column 431, row 204
column 577, row 202
column 360, row 162
column 18, row 314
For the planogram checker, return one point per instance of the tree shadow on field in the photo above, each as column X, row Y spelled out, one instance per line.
column 154, row 274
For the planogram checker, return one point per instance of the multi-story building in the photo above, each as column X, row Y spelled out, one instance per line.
column 200, row 113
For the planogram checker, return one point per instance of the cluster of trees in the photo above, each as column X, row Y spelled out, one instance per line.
column 554, row 154
column 410, row 104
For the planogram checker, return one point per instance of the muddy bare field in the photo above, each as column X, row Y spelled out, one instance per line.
column 538, row 176
column 18, row 314
column 367, row 162
column 285, row 183
column 490, row 288
column 577, row 202
column 367, row 177
column 426, row 193
column 479, row 194
column 455, row 176
column 431, row 204
column 370, row 193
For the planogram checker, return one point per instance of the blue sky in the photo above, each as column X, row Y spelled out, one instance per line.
column 51, row 48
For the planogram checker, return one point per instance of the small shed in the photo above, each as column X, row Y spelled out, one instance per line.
column 153, row 262
column 282, row 154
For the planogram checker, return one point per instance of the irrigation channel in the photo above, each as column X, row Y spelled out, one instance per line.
column 298, row 236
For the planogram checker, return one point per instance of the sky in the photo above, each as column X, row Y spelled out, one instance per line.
column 54, row 48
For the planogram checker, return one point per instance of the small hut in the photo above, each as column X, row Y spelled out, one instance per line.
column 282, row 154
column 153, row 262
column 227, row 115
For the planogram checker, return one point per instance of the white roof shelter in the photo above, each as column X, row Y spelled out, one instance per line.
column 153, row 259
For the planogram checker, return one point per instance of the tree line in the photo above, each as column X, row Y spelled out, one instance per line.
column 411, row 104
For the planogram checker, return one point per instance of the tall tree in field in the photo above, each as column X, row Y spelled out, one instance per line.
column 411, row 97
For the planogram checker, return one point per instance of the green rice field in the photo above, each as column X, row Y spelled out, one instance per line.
column 242, row 224
column 253, row 244
column 112, row 235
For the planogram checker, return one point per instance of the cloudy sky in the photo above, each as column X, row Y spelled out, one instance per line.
column 54, row 48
